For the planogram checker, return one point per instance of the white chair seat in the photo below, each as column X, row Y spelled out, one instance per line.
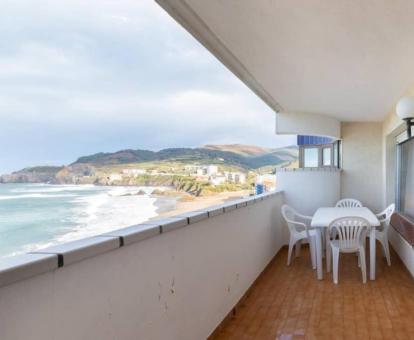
column 336, row 244
column 312, row 233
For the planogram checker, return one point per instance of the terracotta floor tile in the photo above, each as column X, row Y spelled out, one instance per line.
column 290, row 303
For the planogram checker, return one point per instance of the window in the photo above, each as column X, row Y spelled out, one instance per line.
column 320, row 156
column 405, row 178
column 326, row 156
column 311, row 157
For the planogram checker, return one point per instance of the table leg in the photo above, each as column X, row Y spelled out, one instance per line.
column 319, row 268
column 372, row 253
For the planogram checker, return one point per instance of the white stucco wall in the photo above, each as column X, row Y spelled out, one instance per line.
column 178, row 285
column 362, row 163
column 307, row 189
column 297, row 123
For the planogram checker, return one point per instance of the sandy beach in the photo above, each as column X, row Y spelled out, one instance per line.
column 179, row 205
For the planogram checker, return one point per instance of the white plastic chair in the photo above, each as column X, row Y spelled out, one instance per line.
column 351, row 233
column 343, row 203
column 381, row 233
column 348, row 203
column 299, row 227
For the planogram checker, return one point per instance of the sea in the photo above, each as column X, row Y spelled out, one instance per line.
column 35, row 216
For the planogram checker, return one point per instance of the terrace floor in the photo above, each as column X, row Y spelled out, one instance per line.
column 290, row 303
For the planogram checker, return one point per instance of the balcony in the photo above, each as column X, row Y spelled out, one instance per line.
column 220, row 272
column 327, row 68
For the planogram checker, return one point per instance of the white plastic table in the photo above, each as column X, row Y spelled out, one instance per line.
column 323, row 218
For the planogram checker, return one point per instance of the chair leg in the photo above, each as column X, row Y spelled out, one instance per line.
column 363, row 264
column 324, row 243
column 335, row 253
column 327, row 240
column 297, row 248
column 328, row 257
column 291, row 244
column 386, row 248
column 312, row 247
column 384, row 254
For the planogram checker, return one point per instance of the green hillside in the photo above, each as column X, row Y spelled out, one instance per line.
column 167, row 167
column 204, row 155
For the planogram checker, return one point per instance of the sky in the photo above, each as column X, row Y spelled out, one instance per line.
column 81, row 77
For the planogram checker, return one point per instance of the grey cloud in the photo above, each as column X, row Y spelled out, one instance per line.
column 78, row 77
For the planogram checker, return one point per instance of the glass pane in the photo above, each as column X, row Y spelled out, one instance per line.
column 311, row 157
column 326, row 156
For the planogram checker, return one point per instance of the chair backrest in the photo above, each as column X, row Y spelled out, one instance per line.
column 348, row 203
column 290, row 216
column 350, row 231
column 385, row 216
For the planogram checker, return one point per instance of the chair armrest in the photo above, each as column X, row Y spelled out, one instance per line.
column 308, row 218
column 303, row 225
column 381, row 217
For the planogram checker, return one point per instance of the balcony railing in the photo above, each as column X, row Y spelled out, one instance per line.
column 175, row 278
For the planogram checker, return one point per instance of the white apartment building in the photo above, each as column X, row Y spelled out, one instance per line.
column 114, row 177
column 211, row 170
column 235, row 177
column 217, row 180
column 134, row 172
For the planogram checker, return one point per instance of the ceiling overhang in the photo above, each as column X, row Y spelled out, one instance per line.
column 350, row 60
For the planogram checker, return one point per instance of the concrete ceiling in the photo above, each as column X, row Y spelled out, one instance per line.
column 351, row 60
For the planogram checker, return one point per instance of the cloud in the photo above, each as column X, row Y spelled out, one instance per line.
column 78, row 77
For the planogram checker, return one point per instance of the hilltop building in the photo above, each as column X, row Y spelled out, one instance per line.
column 211, row 170
column 217, row 180
column 134, row 172
column 114, row 177
column 235, row 177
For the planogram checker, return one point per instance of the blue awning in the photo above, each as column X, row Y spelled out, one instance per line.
column 314, row 140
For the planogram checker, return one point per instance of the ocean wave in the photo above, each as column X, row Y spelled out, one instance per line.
column 86, row 214
column 45, row 188
column 14, row 197
column 101, row 213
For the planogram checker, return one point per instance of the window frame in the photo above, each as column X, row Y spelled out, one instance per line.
column 318, row 156
column 331, row 162
column 332, row 146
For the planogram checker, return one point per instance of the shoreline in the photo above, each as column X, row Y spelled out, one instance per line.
column 89, row 211
column 179, row 204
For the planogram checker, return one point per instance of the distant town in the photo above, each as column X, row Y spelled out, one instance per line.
column 211, row 174
column 203, row 171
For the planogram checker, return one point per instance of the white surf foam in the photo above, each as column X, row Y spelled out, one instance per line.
column 16, row 197
column 45, row 188
column 104, row 212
